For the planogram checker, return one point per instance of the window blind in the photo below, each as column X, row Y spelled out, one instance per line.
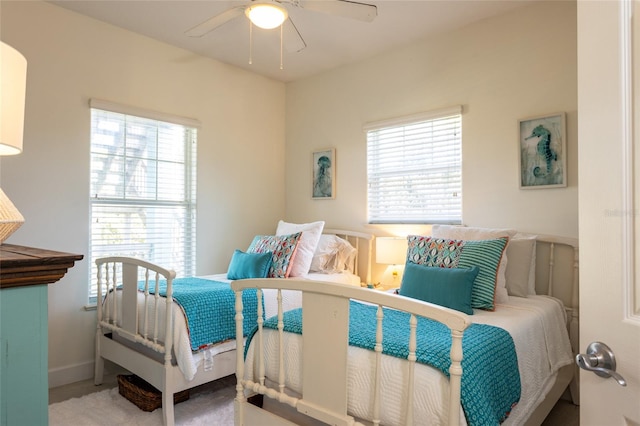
column 414, row 169
column 143, row 190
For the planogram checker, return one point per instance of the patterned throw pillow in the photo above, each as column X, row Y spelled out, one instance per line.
column 445, row 253
column 283, row 248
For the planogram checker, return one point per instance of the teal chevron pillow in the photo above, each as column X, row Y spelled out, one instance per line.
column 283, row 249
column 249, row 265
column 445, row 253
column 448, row 287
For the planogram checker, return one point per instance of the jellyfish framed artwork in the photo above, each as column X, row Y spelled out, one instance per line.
column 324, row 174
column 543, row 152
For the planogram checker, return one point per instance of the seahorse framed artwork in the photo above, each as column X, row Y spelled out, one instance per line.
column 543, row 152
column 324, row 174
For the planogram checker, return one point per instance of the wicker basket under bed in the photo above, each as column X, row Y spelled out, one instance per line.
column 144, row 395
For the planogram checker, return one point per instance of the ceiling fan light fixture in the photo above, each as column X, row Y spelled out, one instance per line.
column 266, row 15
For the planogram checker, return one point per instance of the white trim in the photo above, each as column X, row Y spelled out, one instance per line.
column 422, row 116
column 142, row 112
column 65, row 375
column 628, row 200
column 79, row 372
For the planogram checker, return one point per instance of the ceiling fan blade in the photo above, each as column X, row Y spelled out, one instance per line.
column 214, row 22
column 345, row 8
column 293, row 41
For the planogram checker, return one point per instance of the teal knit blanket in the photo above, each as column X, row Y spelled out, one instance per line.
column 209, row 308
column 490, row 380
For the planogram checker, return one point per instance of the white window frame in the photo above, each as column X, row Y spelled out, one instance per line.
column 414, row 168
column 175, row 251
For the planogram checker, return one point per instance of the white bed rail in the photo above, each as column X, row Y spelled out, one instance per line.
column 324, row 386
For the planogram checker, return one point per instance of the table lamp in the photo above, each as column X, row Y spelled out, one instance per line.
column 13, row 80
column 391, row 251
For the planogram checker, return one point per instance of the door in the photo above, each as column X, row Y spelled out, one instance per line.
column 609, row 205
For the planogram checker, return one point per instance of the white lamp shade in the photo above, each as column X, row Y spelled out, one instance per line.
column 266, row 15
column 13, row 76
column 391, row 250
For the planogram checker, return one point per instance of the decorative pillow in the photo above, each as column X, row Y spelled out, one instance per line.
column 446, row 253
column 448, row 287
column 333, row 255
column 306, row 246
column 283, row 249
column 249, row 265
column 520, row 252
column 474, row 233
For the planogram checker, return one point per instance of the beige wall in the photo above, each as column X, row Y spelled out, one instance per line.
column 72, row 59
column 514, row 66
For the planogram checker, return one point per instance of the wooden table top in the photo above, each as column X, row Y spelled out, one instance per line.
column 24, row 266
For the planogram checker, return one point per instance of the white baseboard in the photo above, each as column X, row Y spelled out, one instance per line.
column 78, row 372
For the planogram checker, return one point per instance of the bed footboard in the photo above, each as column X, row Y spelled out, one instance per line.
column 129, row 321
column 122, row 317
column 325, row 320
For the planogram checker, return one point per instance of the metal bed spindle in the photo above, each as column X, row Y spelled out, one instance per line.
column 260, row 344
column 378, row 351
column 281, row 384
column 552, row 247
column 145, row 331
column 413, row 324
column 240, row 398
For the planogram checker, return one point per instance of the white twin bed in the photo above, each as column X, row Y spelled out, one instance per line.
column 318, row 375
column 325, row 378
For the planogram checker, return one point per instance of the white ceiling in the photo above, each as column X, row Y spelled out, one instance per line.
column 331, row 41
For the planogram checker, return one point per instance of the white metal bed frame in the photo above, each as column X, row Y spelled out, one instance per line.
column 144, row 354
column 326, row 322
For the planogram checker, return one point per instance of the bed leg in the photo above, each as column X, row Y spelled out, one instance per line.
column 257, row 400
column 98, row 370
column 574, row 387
column 167, row 408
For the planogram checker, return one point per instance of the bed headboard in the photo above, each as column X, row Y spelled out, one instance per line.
column 557, row 275
column 363, row 243
column 557, row 268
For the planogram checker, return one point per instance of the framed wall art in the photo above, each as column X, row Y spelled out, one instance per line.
column 543, row 152
column 324, row 174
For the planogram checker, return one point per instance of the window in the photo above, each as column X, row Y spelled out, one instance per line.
column 414, row 168
column 143, row 187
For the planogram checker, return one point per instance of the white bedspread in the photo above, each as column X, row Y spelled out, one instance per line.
column 537, row 325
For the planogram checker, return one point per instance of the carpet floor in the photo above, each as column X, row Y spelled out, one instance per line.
column 109, row 408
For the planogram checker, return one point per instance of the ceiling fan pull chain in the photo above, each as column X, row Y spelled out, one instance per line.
column 281, row 66
column 250, row 42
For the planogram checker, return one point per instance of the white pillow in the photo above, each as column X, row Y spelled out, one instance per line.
column 474, row 234
column 306, row 245
column 521, row 267
column 333, row 255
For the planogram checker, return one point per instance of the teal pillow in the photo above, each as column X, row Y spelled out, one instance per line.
column 249, row 265
column 448, row 287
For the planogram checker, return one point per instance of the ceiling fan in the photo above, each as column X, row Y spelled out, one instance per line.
column 278, row 9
